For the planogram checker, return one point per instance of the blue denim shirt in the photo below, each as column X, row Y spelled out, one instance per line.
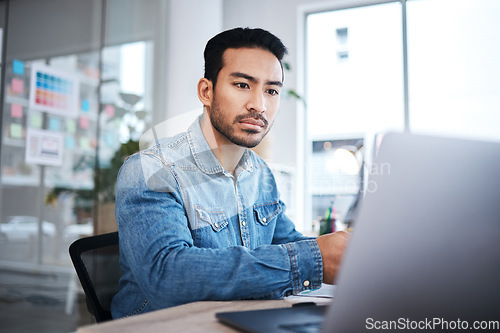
column 190, row 231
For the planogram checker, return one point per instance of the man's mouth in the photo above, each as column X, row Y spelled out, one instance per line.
column 252, row 123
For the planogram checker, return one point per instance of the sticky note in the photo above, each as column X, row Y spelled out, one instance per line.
column 16, row 131
column 70, row 142
column 36, row 120
column 110, row 111
column 18, row 67
column 84, row 143
column 16, row 111
column 54, row 124
column 110, row 139
column 84, row 122
column 85, row 105
column 71, row 126
column 17, row 85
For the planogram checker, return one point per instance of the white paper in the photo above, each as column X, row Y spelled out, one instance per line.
column 44, row 147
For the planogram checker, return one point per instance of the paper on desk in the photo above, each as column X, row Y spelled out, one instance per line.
column 321, row 295
column 326, row 290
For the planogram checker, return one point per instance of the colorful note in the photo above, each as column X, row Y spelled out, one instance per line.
column 71, row 126
column 85, row 105
column 16, row 111
column 16, row 131
column 17, row 85
column 84, row 143
column 110, row 111
column 18, row 67
column 84, row 122
column 54, row 124
column 70, row 142
column 110, row 139
column 36, row 120
column 54, row 91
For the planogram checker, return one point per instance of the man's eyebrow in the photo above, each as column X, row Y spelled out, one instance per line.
column 253, row 79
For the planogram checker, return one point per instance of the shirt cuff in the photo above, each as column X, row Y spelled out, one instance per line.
column 306, row 265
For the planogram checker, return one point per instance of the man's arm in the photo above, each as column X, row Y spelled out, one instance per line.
column 332, row 247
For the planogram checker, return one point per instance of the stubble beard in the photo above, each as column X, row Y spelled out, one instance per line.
column 227, row 129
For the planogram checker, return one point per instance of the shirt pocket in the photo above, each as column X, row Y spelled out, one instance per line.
column 211, row 228
column 266, row 213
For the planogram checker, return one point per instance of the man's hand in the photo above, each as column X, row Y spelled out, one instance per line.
column 332, row 247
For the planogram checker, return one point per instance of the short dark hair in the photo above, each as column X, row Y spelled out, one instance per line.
column 238, row 38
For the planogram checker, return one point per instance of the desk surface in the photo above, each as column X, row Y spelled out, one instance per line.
column 193, row 317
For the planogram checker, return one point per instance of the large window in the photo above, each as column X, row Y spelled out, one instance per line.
column 419, row 65
column 454, row 68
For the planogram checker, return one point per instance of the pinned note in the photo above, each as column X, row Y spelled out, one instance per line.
column 36, row 120
column 70, row 142
column 71, row 126
column 18, row 67
column 84, row 122
column 84, row 143
column 110, row 111
column 16, row 131
column 54, row 124
column 16, row 111
column 17, row 85
column 110, row 139
column 85, row 105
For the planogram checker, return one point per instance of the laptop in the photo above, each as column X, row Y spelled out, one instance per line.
column 425, row 250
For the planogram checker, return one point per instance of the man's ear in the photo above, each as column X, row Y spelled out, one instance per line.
column 205, row 91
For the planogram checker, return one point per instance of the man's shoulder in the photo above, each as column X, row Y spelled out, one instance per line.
column 169, row 148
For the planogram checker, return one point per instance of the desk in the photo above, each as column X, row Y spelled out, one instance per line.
column 193, row 317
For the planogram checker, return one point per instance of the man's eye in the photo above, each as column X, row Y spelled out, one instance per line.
column 242, row 85
column 273, row 92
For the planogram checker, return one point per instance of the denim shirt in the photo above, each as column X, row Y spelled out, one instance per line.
column 191, row 231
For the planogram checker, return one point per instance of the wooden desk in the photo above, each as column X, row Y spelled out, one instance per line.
column 193, row 317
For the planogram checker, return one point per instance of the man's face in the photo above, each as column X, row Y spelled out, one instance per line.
column 246, row 97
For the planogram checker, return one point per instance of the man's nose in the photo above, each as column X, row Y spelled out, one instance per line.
column 257, row 102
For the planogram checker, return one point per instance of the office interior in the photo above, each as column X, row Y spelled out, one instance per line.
column 83, row 82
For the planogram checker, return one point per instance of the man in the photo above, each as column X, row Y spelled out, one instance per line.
column 199, row 214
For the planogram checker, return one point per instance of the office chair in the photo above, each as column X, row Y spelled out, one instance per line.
column 96, row 261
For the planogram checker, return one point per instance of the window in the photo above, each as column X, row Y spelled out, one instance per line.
column 454, row 73
column 354, row 90
column 368, row 77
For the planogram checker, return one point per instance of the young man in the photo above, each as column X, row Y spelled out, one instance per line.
column 199, row 214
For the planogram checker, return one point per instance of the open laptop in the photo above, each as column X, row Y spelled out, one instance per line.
column 425, row 250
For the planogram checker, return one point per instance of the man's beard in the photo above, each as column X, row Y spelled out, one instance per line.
column 227, row 129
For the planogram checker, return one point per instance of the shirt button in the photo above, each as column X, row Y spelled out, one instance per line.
column 306, row 283
column 243, row 223
column 264, row 220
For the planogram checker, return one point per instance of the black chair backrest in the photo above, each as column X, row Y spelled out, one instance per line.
column 96, row 261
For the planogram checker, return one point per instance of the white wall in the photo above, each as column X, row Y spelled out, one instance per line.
column 190, row 25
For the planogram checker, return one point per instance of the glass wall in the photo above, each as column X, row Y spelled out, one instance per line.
column 77, row 80
column 49, row 131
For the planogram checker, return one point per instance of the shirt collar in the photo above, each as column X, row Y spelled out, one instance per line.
column 203, row 155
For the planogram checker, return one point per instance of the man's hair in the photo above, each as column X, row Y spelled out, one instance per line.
column 237, row 38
